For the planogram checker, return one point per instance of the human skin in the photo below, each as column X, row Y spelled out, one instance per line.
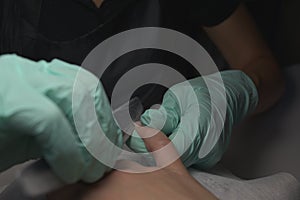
column 98, row 3
column 244, row 48
column 166, row 181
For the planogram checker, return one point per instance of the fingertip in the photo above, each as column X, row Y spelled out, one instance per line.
column 161, row 119
column 153, row 139
column 153, row 118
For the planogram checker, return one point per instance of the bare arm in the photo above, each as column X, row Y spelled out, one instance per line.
column 243, row 48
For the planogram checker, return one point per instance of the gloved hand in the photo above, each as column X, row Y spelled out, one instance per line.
column 193, row 118
column 36, row 117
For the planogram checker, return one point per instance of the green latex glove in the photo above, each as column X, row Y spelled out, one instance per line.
column 36, row 117
column 187, row 110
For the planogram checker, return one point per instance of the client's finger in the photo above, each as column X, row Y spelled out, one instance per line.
column 161, row 148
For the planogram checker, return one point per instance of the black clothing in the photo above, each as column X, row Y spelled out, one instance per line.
column 70, row 29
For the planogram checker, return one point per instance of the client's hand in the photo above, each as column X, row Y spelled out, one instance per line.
column 171, row 182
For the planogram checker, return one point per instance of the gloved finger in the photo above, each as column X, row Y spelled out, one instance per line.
column 55, row 80
column 136, row 143
column 161, row 148
column 39, row 118
column 166, row 118
column 82, row 98
column 197, row 144
column 187, row 141
column 95, row 125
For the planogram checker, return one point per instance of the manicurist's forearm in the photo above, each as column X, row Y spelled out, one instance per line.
column 269, row 81
column 244, row 49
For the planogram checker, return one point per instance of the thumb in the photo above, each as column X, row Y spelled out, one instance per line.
column 161, row 148
column 166, row 119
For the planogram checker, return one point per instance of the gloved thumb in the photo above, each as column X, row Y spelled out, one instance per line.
column 166, row 118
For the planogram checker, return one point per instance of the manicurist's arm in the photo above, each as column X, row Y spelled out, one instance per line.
column 243, row 47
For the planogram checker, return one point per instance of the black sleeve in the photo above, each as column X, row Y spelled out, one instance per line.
column 210, row 12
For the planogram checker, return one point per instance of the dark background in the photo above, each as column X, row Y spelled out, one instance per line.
column 279, row 22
